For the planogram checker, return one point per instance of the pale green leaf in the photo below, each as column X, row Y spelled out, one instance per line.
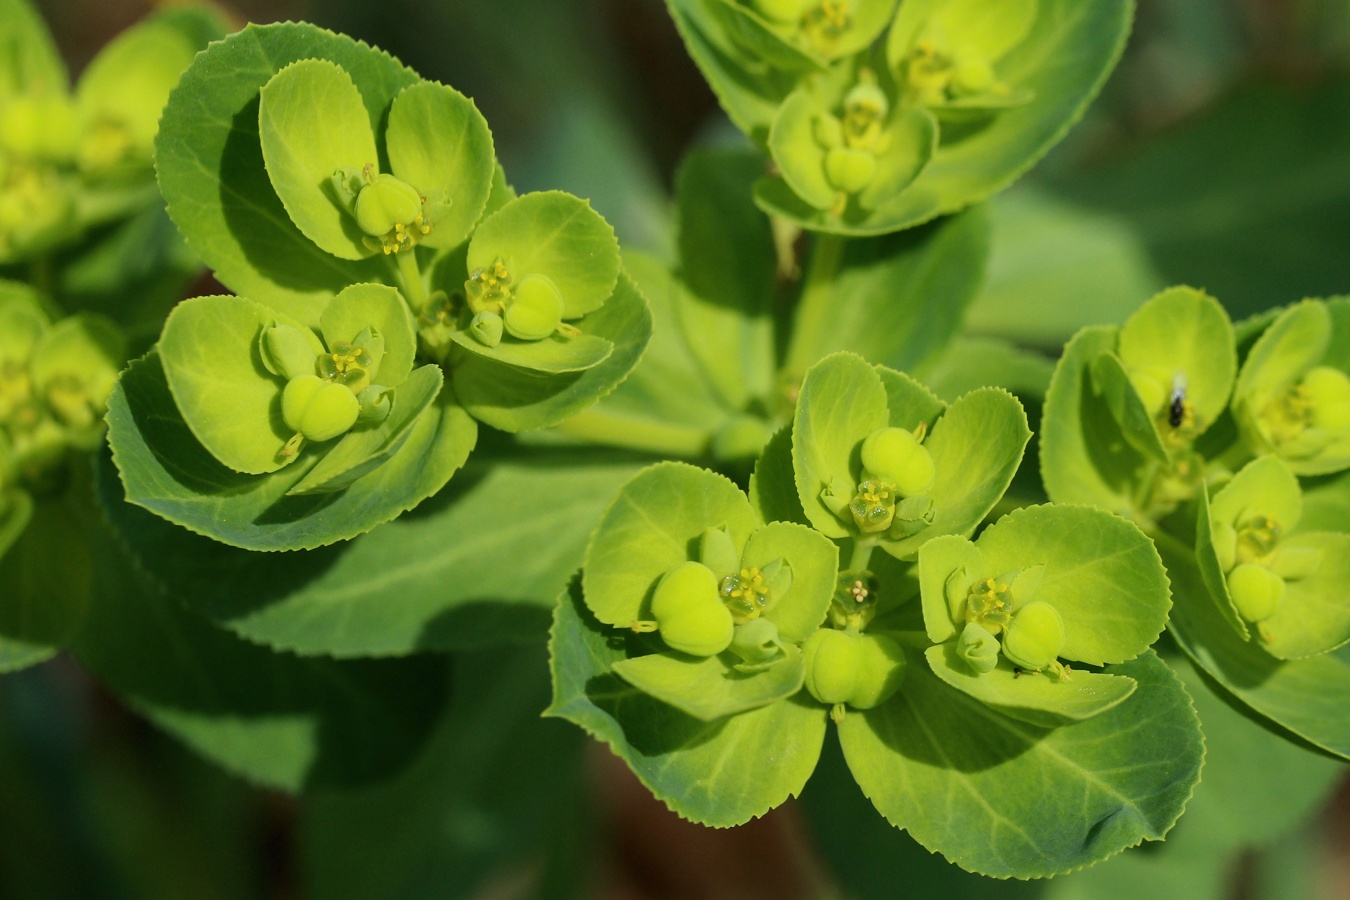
column 382, row 309
column 710, row 689
column 814, row 561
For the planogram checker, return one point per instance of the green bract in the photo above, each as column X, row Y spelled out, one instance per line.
column 858, row 477
column 1279, row 586
column 1293, row 393
column 1042, row 584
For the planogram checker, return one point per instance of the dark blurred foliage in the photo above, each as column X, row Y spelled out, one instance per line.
column 1219, row 155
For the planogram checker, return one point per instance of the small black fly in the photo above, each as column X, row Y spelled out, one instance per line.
column 1176, row 407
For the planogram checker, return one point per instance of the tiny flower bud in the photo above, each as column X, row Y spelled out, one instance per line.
column 1034, row 637
column 689, row 612
column 978, row 648
column 757, row 642
column 850, row 170
column 896, row 456
column 486, row 328
column 1256, row 591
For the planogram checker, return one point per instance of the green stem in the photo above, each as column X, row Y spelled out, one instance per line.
column 635, row 434
column 816, row 306
column 861, row 557
column 410, row 277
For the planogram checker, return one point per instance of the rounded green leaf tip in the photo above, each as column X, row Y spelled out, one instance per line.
column 850, row 169
column 857, row 670
column 387, row 204
column 535, row 310
column 689, row 612
column 1256, row 591
column 978, row 648
column 895, row 455
column 1034, row 637
column 317, row 409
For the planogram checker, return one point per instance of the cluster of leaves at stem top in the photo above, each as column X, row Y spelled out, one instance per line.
column 880, row 116
column 392, row 293
column 995, row 698
column 1225, row 445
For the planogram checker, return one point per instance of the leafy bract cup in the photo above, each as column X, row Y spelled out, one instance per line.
column 1293, row 392
column 1127, row 405
column 1041, row 588
column 682, row 555
column 967, row 96
column 1279, row 586
column 878, row 459
column 71, row 160
column 802, row 34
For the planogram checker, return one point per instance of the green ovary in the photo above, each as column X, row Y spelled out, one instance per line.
column 390, row 211
column 1305, row 418
column 1034, row 637
column 857, row 670
column 689, row 612
column 318, row 410
column 535, row 309
column 1256, row 591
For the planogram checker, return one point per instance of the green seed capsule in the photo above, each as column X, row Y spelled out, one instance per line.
column 535, row 310
column 320, row 410
column 895, row 455
column 1328, row 390
column 859, row 670
column 1034, row 637
column 689, row 613
column 850, row 170
column 978, row 648
column 387, row 203
column 1256, row 591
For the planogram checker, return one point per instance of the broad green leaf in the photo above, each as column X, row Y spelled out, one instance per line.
column 439, row 142
column 452, row 576
column 1314, row 617
column 555, row 234
column 128, row 82
column 166, row 470
column 311, row 123
column 729, row 267
column 1032, row 697
column 556, row 354
column 362, row 450
column 32, row 64
column 977, row 446
column 715, row 773
column 222, row 390
column 898, row 300
column 48, row 572
column 749, row 95
column 651, row 527
column 515, row 399
column 1102, row 574
column 909, row 403
column 17, row 655
column 449, row 825
column 1326, row 502
column 842, row 401
column 968, row 782
column 668, row 400
column 1084, row 458
column 1304, row 697
column 273, row 718
column 1048, row 254
column 1111, row 381
column 815, row 563
column 1062, row 62
column 970, row 363
column 773, row 486
column 381, row 308
column 710, row 689
column 211, row 169
column 1183, row 337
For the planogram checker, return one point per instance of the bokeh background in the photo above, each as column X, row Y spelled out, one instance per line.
column 1218, row 156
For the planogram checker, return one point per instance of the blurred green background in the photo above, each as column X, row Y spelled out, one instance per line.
column 1218, row 156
